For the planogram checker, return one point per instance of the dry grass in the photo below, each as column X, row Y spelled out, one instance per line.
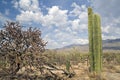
column 79, row 63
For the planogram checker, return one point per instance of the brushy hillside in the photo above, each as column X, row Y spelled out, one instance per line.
column 80, row 63
column 76, row 56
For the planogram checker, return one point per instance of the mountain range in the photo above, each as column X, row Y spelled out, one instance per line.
column 108, row 45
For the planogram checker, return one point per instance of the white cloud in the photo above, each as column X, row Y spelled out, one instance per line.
column 15, row 3
column 55, row 17
column 31, row 5
column 81, row 12
column 29, row 11
column 80, row 41
column 78, row 9
column 109, row 37
column 83, row 17
column 75, row 24
column 68, row 29
column 60, row 39
column 61, row 30
column 52, row 43
column 28, row 16
column 107, row 10
column 106, row 29
column 110, row 17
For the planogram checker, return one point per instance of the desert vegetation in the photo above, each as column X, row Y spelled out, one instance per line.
column 80, row 63
column 23, row 56
column 22, row 49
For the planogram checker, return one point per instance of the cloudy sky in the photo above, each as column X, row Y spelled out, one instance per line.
column 62, row 22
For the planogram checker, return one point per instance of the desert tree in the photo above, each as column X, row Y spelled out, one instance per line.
column 19, row 46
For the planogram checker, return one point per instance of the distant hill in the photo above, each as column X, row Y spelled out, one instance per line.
column 113, row 44
column 109, row 44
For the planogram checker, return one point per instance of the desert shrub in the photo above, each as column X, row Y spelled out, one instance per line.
column 75, row 57
column 55, row 57
column 111, row 58
column 117, row 58
column 60, row 57
column 18, row 45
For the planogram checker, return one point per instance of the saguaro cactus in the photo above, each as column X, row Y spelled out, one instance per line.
column 95, row 41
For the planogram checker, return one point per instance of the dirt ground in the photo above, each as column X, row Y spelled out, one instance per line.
column 110, row 72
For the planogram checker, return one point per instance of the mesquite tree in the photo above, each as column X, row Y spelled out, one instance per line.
column 17, row 43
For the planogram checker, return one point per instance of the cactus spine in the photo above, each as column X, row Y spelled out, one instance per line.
column 95, row 41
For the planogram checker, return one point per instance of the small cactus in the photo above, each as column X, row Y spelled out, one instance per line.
column 68, row 65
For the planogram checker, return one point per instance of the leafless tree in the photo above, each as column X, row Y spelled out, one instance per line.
column 15, row 43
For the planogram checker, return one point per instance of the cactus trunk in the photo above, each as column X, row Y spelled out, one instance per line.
column 95, row 41
column 90, row 31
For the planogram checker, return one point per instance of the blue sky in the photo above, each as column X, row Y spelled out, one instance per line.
column 62, row 22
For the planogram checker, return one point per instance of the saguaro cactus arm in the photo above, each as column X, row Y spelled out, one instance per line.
column 97, row 42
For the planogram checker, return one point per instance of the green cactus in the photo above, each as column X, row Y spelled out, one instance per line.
column 95, row 41
column 68, row 65
column 90, row 31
